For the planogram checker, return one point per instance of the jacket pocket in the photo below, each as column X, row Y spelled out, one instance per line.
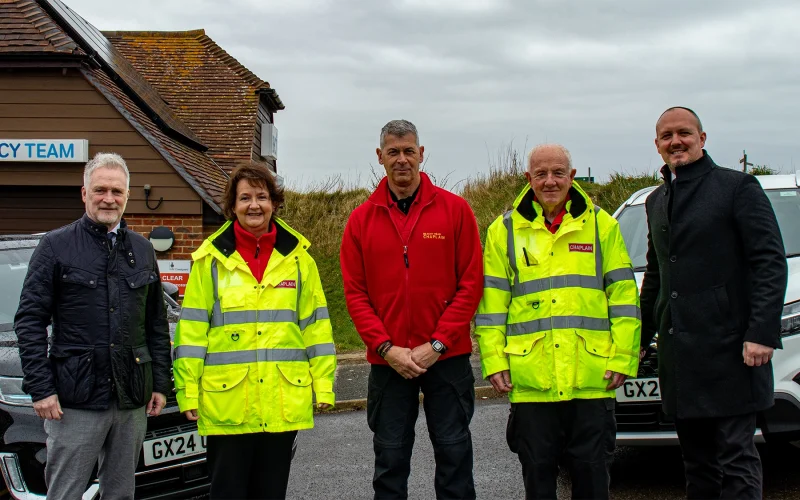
column 223, row 400
column 139, row 286
column 140, row 368
column 724, row 304
column 76, row 276
column 141, row 279
column 73, row 367
column 530, row 362
column 296, row 392
column 593, row 351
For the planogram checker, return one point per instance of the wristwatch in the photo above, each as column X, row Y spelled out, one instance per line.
column 438, row 346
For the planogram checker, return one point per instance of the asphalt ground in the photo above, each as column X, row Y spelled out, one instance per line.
column 335, row 460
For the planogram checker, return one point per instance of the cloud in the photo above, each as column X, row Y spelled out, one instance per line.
column 475, row 75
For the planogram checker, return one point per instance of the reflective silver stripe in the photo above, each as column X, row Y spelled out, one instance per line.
column 194, row 314
column 216, row 310
column 598, row 251
column 512, row 252
column 624, row 312
column 320, row 350
column 299, row 289
column 189, row 351
column 494, row 282
column 558, row 323
column 565, row 281
column 319, row 313
column 241, row 357
column 495, row 319
column 252, row 316
column 624, row 274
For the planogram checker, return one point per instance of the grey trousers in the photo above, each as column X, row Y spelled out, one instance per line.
column 84, row 437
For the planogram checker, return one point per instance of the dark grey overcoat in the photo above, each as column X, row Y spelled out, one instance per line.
column 716, row 277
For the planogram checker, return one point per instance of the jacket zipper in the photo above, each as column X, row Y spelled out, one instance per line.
column 405, row 252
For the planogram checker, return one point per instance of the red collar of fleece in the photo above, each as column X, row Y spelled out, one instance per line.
column 553, row 226
column 255, row 252
column 427, row 191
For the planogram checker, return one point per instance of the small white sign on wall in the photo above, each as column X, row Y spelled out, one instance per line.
column 175, row 272
column 269, row 141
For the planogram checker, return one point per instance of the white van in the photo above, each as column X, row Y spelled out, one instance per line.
column 640, row 419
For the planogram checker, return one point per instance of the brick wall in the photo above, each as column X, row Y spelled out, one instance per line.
column 188, row 231
column 210, row 229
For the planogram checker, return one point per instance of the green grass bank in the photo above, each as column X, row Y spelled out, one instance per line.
column 321, row 215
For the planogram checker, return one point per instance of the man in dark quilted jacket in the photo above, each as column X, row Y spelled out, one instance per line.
column 109, row 353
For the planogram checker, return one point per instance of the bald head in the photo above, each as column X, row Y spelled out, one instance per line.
column 679, row 137
column 681, row 110
column 545, row 152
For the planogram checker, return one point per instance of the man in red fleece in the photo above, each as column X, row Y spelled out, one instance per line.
column 413, row 278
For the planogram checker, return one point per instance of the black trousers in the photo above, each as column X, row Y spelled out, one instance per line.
column 720, row 457
column 250, row 465
column 581, row 432
column 392, row 411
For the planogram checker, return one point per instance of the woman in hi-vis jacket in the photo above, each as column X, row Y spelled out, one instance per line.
column 253, row 342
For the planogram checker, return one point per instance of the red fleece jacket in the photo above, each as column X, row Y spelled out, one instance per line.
column 413, row 278
column 255, row 252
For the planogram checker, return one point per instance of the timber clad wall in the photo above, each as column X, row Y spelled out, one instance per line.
column 37, row 209
column 46, row 104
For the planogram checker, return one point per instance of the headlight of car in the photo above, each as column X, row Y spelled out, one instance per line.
column 11, row 392
column 790, row 319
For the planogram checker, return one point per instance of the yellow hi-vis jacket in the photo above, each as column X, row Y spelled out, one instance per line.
column 247, row 354
column 558, row 310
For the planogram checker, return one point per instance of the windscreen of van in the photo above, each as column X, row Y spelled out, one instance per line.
column 785, row 202
column 13, row 268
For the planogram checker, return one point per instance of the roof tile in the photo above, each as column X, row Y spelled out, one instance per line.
column 203, row 172
column 210, row 91
column 32, row 30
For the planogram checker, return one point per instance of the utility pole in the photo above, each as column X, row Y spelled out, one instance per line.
column 744, row 161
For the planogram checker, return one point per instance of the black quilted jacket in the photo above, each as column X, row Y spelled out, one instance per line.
column 110, row 335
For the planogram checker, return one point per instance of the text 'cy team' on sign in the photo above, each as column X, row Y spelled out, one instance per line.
column 46, row 150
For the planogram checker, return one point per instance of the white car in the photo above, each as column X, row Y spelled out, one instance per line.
column 640, row 419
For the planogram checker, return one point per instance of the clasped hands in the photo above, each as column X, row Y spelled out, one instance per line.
column 411, row 363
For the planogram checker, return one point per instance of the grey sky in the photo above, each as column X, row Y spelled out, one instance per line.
column 475, row 75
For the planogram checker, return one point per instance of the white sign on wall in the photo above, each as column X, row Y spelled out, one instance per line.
column 45, row 150
column 269, row 141
column 175, row 272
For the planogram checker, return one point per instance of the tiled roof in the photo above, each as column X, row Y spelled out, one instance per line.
column 198, row 169
column 27, row 31
column 26, row 28
column 210, row 91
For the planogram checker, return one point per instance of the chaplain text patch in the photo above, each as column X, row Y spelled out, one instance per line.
column 581, row 247
column 287, row 284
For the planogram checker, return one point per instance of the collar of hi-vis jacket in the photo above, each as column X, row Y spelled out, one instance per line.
column 531, row 210
column 424, row 196
column 222, row 246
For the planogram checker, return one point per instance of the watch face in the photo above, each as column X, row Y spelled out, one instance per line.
column 437, row 346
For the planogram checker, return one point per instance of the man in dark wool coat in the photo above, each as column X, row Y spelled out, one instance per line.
column 713, row 290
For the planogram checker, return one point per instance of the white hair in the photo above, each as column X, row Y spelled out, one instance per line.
column 542, row 147
column 105, row 160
